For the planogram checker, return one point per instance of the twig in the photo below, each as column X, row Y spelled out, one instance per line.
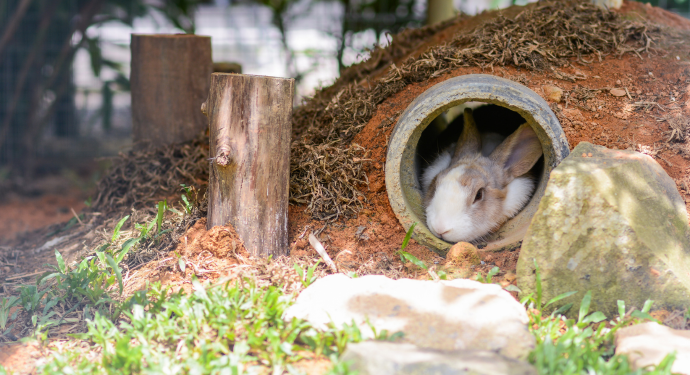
column 76, row 216
column 320, row 249
column 24, row 275
column 628, row 92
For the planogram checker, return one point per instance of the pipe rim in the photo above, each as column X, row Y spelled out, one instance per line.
column 401, row 185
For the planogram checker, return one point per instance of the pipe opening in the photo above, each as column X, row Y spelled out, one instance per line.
column 435, row 120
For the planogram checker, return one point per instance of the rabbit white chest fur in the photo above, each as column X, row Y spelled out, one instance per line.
column 471, row 189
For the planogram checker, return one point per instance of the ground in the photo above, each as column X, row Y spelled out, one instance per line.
column 650, row 118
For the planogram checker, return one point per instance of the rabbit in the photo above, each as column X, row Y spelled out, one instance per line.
column 470, row 193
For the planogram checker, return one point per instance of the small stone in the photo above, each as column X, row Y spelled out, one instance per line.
column 618, row 82
column 387, row 358
column 617, row 92
column 553, row 93
column 648, row 343
column 444, row 315
column 463, row 254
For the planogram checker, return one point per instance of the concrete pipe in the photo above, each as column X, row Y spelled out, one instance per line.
column 404, row 192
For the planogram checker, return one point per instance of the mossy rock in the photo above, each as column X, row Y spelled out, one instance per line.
column 611, row 222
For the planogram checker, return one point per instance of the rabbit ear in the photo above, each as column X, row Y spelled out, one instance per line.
column 519, row 152
column 469, row 142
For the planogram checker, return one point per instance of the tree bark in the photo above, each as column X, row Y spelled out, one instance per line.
column 170, row 79
column 439, row 11
column 250, row 128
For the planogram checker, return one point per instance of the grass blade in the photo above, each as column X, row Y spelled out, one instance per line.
column 647, row 306
column 125, row 248
column 116, row 231
column 60, row 261
column 621, row 308
column 560, row 297
column 116, row 269
column 413, row 259
column 408, row 236
column 584, row 306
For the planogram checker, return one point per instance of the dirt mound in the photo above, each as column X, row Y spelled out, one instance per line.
column 540, row 36
column 647, row 119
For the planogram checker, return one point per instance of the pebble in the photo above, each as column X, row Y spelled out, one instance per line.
column 553, row 93
column 463, row 253
column 618, row 92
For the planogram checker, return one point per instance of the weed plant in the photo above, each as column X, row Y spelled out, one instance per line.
column 583, row 345
column 229, row 329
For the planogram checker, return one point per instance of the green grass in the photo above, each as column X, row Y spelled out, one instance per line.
column 583, row 345
column 228, row 329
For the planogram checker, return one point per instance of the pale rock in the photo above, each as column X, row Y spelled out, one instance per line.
column 463, row 253
column 648, row 343
column 610, row 222
column 445, row 315
column 386, row 358
column 618, row 92
column 553, row 93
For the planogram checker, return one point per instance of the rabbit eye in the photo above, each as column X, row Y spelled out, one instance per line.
column 480, row 195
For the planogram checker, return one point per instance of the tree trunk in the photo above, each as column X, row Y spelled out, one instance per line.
column 170, row 79
column 439, row 11
column 250, row 125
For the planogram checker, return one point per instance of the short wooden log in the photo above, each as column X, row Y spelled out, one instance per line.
column 250, row 126
column 170, row 79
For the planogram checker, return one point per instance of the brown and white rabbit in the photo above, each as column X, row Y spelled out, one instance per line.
column 472, row 192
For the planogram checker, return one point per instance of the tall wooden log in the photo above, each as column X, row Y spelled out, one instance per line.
column 250, row 126
column 170, row 79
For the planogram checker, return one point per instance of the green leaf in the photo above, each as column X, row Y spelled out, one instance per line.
column 642, row 315
column 408, row 236
column 513, row 288
column 563, row 309
column 491, row 274
column 116, row 231
column 647, row 305
column 299, row 271
column 526, row 298
column 621, row 308
column 116, row 269
column 125, row 248
column 60, row 261
column 159, row 216
column 413, row 259
column 594, row 317
column 584, row 306
column 101, row 257
column 560, row 297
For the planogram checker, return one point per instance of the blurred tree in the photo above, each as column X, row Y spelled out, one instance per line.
column 38, row 42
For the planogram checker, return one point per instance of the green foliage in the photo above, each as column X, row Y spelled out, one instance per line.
column 5, row 305
column 407, row 257
column 309, row 278
column 489, row 276
column 221, row 329
column 582, row 346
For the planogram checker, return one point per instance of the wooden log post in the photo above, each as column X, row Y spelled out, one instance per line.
column 170, row 79
column 250, row 128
